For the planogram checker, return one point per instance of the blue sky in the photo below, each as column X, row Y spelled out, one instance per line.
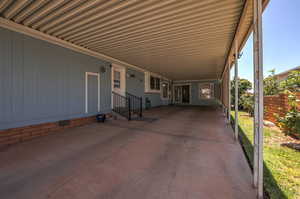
column 281, row 39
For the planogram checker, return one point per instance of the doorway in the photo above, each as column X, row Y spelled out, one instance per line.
column 118, row 79
column 92, row 92
column 118, row 84
column 182, row 94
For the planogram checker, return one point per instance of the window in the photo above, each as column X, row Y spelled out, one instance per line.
column 154, row 83
column 117, row 79
column 206, row 91
column 157, row 84
column 165, row 90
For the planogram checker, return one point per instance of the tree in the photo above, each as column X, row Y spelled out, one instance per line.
column 244, row 86
column 247, row 103
column 292, row 83
column 271, row 85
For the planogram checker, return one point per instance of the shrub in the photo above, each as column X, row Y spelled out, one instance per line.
column 247, row 103
column 244, row 86
column 290, row 122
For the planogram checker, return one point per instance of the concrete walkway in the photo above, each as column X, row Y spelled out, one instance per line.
column 176, row 153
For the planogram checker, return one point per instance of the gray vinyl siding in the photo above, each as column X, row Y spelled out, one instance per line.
column 135, row 84
column 155, row 99
column 41, row 82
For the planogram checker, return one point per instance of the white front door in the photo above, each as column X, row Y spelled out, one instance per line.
column 92, row 92
column 118, row 83
column 118, row 79
column 177, row 94
column 182, row 94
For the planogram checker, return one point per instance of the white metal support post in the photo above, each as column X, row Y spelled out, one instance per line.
column 258, row 96
column 236, row 93
column 229, row 95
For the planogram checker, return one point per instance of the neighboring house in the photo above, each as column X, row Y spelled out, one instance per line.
column 283, row 75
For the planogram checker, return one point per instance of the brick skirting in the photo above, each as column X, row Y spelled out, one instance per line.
column 16, row 135
column 276, row 104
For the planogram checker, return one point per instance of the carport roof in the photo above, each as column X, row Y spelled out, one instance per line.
column 181, row 40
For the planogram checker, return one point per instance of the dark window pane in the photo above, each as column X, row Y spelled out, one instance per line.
column 152, row 83
column 157, row 84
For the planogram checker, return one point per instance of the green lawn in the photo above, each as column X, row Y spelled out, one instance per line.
column 282, row 164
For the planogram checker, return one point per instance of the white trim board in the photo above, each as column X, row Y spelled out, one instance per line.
column 86, row 90
column 54, row 40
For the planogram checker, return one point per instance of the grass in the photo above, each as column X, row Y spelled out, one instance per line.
column 281, row 164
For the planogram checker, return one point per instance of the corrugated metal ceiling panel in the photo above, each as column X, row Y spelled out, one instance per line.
column 181, row 40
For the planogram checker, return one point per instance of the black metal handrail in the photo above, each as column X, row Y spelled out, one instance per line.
column 136, row 104
column 121, row 105
column 127, row 105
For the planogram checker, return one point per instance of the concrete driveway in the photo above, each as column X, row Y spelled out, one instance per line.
column 175, row 153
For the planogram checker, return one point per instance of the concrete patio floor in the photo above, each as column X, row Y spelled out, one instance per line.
column 176, row 153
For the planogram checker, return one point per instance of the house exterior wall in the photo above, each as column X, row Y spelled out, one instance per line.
column 135, row 84
column 41, row 82
column 156, row 100
column 194, row 92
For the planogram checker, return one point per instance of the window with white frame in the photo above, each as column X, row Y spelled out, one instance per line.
column 206, row 91
column 152, row 83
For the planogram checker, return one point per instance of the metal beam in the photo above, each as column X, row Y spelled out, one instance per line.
column 229, row 94
column 236, row 92
column 258, row 96
column 243, row 17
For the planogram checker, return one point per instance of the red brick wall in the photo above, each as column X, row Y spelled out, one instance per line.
column 15, row 135
column 276, row 104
